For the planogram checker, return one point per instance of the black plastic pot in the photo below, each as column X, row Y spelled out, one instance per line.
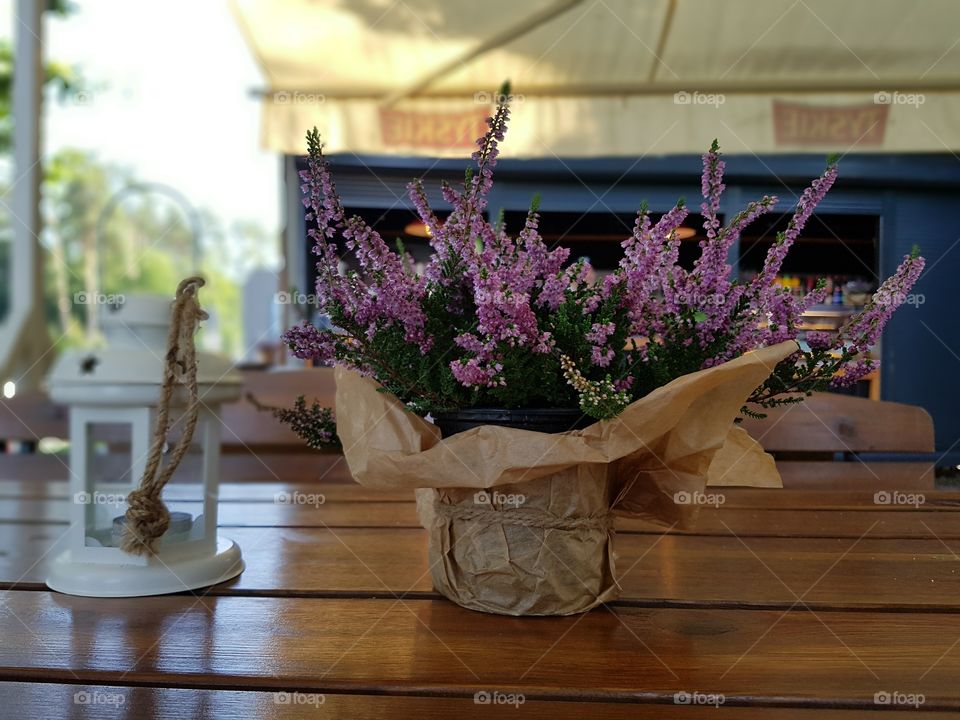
column 545, row 420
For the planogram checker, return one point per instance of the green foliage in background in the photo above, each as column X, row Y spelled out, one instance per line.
column 145, row 247
column 146, row 241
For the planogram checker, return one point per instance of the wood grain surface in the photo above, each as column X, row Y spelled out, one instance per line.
column 782, row 605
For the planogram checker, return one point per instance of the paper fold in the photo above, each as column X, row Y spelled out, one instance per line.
column 678, row 438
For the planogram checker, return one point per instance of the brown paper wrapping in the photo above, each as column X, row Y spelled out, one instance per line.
column 551, row 553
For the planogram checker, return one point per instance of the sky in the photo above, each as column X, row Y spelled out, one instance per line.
column 169, row 99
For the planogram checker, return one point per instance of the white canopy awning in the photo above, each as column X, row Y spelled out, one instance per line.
column 610, row 77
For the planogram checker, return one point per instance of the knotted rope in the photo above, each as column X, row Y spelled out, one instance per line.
column 526, row 517
column 147, row 517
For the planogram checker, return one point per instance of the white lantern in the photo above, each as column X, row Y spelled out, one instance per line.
column 114, row 394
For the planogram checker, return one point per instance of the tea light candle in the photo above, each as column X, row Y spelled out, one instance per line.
column 180, row 525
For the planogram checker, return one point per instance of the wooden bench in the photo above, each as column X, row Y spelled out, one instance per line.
column 255, row 445
column 839, row 442
column 828, row 442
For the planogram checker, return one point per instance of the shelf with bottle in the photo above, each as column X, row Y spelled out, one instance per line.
column 843, row 292
column 844, row 295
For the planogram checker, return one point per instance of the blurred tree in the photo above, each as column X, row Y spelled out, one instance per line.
column 145, row 246
column 75, row 191
column 145, row 243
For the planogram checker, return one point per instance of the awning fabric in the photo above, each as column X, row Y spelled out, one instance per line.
column 610, row 77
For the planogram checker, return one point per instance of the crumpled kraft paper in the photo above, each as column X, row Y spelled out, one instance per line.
column 551, row 553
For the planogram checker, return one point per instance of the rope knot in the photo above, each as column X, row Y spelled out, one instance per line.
column 151, row 518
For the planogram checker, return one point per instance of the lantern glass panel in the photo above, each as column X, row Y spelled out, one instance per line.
column 108, row 470
column 185, row 494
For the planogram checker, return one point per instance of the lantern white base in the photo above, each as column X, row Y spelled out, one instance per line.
column 160, row 576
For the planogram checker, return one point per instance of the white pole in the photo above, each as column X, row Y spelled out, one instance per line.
column 24, row 337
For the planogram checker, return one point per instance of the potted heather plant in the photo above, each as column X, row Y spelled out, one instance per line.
column 507, row 344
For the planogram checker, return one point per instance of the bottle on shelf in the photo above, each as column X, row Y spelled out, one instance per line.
column 839, row 290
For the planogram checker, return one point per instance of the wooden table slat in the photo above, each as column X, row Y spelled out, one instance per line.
column 920, row 575
column 339, row 510
column 421, row 646
column 347, row 491
column 58, row 701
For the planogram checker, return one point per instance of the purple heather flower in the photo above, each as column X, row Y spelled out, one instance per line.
column 487, row 296
column 710, row 278
column 808, row 202
column 309, row 343
column 853, row 372
column 418, row 197
column 765, row 314
column 602, row 357
column 862, row 331
column 599, row 332
column 601, row 354
column 712, row 187
column 820, row 340
column 648, row 269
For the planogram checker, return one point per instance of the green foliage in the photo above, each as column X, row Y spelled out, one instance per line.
column 143, row 241
column 142, row 248
column 798, row 377
column 314, row 143
column 315, row 425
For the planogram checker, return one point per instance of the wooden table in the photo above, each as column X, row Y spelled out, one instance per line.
column 777, row 605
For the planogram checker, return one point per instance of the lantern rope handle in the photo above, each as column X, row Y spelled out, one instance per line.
column 147, row 517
